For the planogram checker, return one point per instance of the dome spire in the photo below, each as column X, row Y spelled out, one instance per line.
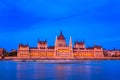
column 61, row 36
column 61, row 32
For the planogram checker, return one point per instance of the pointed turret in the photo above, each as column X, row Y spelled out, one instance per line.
column 61, row 32
column 56, row 42
column 70, row 47
column 70, row 43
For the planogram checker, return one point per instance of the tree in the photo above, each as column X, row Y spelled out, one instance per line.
column 13, row 53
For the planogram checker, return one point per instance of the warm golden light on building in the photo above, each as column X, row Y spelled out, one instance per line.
column 1, row 51
column 60, row 50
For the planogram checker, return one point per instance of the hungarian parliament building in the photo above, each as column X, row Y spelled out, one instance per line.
column 60, row 50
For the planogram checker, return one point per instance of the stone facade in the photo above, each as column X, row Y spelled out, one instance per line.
column 1, row 51
column 60, row 50
column 111, row 53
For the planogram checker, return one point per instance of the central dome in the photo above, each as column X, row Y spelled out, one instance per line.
column 61, row 37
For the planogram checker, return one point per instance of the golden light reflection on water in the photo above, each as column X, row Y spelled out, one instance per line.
column 36, row 71
column 85, row 70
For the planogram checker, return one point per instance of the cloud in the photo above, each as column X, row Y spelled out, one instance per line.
column 92, row 19
column 13, row 18
column 25, row 13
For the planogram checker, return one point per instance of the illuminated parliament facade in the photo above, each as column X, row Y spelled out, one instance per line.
column 60, row 50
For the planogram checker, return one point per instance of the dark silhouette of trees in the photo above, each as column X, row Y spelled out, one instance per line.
column 12, row 53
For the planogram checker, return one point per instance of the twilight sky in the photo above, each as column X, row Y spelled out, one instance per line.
column 24, row 21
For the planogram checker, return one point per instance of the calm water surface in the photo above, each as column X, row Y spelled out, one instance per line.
column 85, row 70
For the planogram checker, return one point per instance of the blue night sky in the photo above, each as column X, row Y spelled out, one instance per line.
column 24, row 21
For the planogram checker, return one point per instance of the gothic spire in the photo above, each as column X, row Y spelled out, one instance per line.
column 61, row 32
column 70, row 44
column 56, row 41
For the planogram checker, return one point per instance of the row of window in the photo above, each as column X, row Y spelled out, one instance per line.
column 63, row 54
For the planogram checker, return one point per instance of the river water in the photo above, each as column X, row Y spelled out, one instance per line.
column 85, row 70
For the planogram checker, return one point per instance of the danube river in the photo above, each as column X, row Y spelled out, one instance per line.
column 84, row 70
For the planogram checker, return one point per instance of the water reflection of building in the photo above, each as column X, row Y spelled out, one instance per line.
column 60, row 50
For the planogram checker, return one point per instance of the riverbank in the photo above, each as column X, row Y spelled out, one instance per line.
column 81, row 58
column 56, row 60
